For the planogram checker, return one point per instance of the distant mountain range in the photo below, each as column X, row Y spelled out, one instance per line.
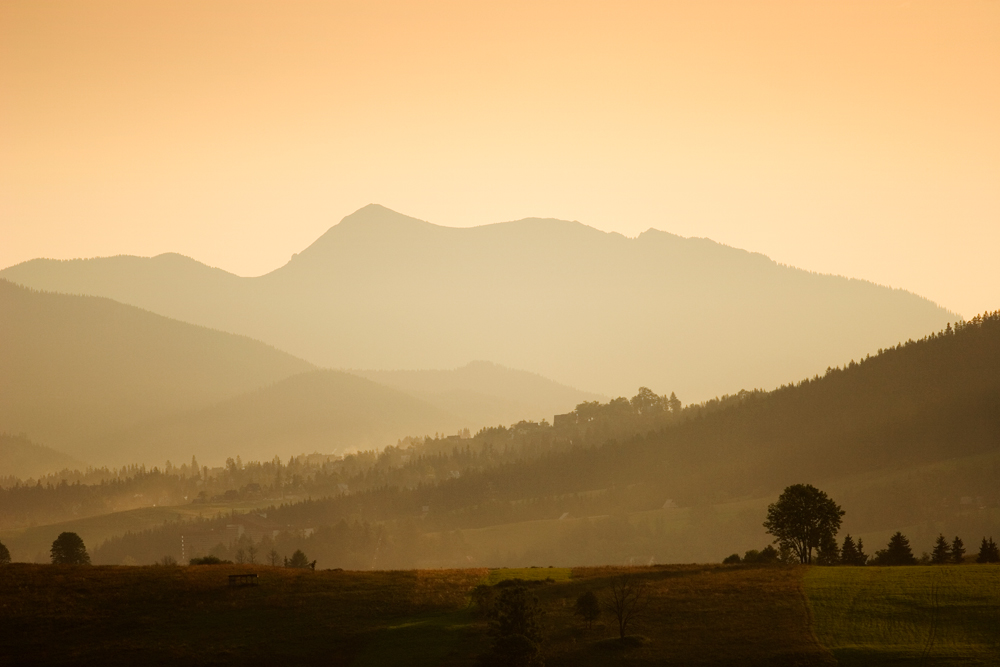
column 589, row 309
column 112, row 384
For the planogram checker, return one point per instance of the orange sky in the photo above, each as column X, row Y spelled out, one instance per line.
column 858, row 138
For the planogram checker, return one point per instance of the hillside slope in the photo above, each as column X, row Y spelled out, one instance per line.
column 485, row 393
column 73, row 368
column 319, row 411
column 21, row 458
column 589, row 309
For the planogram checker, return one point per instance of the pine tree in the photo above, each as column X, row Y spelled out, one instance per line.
column 988, row 552
column 942, row 552
column 862, row 556
column 898, row 552
column 957, row 550
column 828, row 552
column 849, row 552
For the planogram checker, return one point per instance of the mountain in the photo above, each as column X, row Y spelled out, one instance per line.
column 485, row 393
column 325, row 411
column 74, row 368
column 21, row 458
column 589, row 309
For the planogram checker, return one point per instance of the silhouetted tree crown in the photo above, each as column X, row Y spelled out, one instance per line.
column 804, row 518
column 897, row 552
column 957, row 550
column 4, row 554
column 942, row 551
column 298, row 559
column 68, row 549
column 515, row 623
column 988, row 552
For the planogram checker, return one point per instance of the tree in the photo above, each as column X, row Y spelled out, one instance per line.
column 298, row 559
column 803, row 519
column 273, row 557
column 628, row 598
column 515, row 623
column 862, row 556
column 829, row 552
column 849, row 552
column 674, row 403
column 988, row 552
column 647, row 402
column 942, row 551
column 4, row 555
column 68, row 549
column 957, row 551
column 588, row 608
column 898, row 552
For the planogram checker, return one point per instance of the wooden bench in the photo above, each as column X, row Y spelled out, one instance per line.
column 243, row 580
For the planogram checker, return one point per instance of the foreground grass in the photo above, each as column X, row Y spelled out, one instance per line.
column 938, row 615
column 698, row 615
column 63, row 615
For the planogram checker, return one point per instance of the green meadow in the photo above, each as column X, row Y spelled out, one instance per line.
column 920, row 615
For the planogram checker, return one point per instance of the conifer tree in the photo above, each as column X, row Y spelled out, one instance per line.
column 849, row 552
column 828, row 552
column 942, row 552
column 862, row 556
column 957, row 550
column 898, row 552
column 988, row 552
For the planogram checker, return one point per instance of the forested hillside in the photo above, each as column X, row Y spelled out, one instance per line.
column 909, row 436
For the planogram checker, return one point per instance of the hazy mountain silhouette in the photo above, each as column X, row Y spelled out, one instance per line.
column 73, row 368
column 113, row 384
column 325, row 411
column 590, row 309
column 21, row 458
column 485, row 393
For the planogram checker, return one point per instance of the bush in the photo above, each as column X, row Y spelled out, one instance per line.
column 4, row 554
column 588, row 607
column 210, row 560
column 731, row 560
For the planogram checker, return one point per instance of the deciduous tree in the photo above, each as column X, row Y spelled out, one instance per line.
column 68, row 549
column 628, row 598
column 803, row 519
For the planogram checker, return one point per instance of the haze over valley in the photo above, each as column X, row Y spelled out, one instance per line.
column 464, row 334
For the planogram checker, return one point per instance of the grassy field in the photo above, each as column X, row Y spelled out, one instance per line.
column 908, row 615
column 698, row 615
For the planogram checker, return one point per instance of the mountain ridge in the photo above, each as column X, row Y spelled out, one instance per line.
column 591, row 309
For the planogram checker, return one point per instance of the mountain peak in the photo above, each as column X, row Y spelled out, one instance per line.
column 376, row 215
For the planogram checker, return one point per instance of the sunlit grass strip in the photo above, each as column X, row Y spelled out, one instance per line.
column 940, row 615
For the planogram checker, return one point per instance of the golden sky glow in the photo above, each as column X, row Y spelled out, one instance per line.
column 858, row 138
